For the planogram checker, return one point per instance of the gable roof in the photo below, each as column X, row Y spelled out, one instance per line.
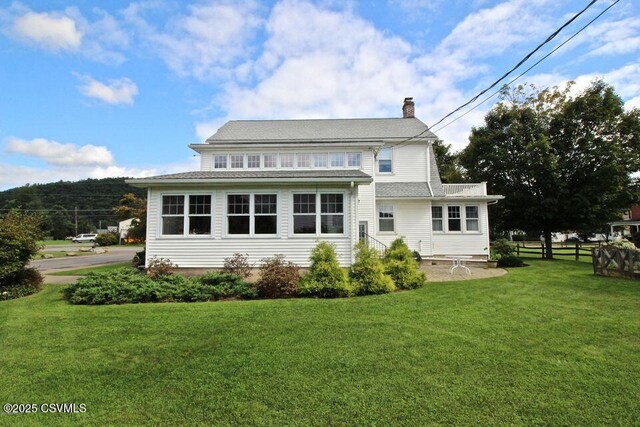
column 319, row 130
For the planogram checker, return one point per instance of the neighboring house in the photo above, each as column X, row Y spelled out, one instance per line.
column 123, row 228
column 630, row 223
column 270, row 187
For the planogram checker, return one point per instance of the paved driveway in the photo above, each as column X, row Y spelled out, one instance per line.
column 114, row 256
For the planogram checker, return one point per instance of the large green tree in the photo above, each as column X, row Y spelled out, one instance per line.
column 562, row 161
column 132, row 206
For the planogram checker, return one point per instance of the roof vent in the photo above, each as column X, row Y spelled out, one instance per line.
column 408, row 108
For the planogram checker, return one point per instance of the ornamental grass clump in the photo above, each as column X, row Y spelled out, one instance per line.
column 325, row 279
column 367, row 273
column 402, row 267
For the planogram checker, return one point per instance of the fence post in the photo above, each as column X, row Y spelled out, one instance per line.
column 542, row 249
column 518, row 249
column 577, row 252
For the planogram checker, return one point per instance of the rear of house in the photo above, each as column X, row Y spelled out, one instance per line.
column 270, row 187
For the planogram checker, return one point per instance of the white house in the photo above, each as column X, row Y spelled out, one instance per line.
column 270, row 187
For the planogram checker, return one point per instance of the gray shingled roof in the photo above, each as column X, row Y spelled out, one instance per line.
column 325, row 130
column 401, row 190
column 256, row 176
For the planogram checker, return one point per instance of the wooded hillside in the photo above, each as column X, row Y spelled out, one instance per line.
column 57, row 201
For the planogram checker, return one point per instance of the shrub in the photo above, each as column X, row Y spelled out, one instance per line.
column 127, row 285
column 403, row 269
column 138, row 259
column 325, row 279
column 623, row 244
column 227, row 285
column 367, row 273
column 25, row 282
column 159, row 267
column 502, row 248
column 18, row 244
column 106, row 239
column 510, row 261
column 238, row 264
column 278, row 278
column 519, row 237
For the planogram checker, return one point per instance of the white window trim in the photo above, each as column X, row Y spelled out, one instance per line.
column 393, row 212
column 463, row 218
column 378, row 161
column 441, row 218
column 252, row 234
column 226, row 156
column 185, row 234
column 318, row 214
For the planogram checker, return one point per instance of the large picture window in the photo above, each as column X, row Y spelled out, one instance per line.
column 322, row 212
column 386, row 220
column 459, row 218
column 252, row 214
column 196, row 218
column 385, row 160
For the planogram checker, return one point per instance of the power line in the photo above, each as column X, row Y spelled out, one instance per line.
column 528, row 69
column 524, row 59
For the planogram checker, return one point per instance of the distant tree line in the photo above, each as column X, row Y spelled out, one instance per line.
column 56, row 203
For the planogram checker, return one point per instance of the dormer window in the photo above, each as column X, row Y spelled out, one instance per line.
column 253, row 161
column 337, row 160
column 237, row 161
column 270, row 160
column 320, row 160
column 385, row 160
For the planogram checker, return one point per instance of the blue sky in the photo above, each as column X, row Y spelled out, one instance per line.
column 119, row 88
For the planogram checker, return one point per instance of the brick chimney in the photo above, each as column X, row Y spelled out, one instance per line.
column 408, row 108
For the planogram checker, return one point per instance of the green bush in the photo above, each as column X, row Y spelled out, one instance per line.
column 278, row 278
column 520, row 237
column 510, row 261
column 403, row 269
column 325, row 279
column 106, row 239
column 367, row 273
column 25, row 282
column 502, row 248
column 160, row 267
column 127, row 285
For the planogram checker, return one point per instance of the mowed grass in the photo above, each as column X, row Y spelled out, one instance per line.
column 548, row 344
column 87, row 270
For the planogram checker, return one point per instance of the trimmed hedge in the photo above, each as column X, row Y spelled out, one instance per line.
column 127, row 285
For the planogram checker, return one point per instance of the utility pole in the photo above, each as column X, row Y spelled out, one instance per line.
column 76, row 215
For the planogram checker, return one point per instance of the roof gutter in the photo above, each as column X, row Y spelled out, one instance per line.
column 143, row 183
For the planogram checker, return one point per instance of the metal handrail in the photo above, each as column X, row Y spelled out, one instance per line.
column 373, row 243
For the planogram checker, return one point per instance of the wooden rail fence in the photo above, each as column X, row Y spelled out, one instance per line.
column 577, row 250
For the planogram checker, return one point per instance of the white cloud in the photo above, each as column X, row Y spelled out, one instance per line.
column 58, row 154
column 115, row 91
column 102, row 39
column 52, row 31
column 203, row 43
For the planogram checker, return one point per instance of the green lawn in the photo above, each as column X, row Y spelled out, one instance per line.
column 548, row 344
column 87, row 270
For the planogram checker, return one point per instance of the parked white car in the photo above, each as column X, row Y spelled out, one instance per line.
column 85, row 238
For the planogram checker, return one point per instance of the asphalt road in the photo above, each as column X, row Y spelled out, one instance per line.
column 114, row 256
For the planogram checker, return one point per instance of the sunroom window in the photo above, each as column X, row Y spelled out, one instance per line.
column 436, row 218
column 331, row 214
column 304, row 214
column 472, row 218
column 238, row 213
column 454, row 218
column 198, row 215
column 173, row 215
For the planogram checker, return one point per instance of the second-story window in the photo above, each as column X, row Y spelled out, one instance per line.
column 354, row 160
column 303, row 160
column 385, row 160
column 270, row 160
column 220, row 161
column 336, row 160
column 320, row 160
column 253, row 161
column 237, row 161
column 286, row 160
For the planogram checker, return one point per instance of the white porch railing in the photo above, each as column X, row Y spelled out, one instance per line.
column 479, row 189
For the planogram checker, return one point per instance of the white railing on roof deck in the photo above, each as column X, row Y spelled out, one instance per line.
column 479, row 189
